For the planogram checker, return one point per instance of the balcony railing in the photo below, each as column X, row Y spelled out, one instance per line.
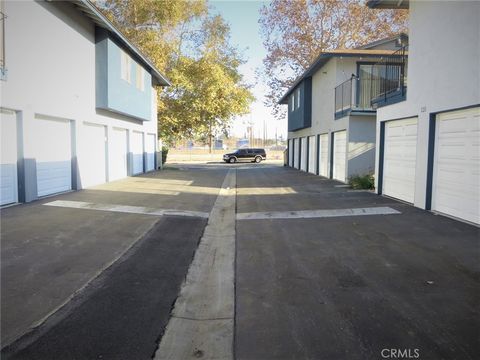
column 389, row 79
column 352, row 95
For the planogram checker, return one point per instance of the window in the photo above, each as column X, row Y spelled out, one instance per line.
column 140, row 78
column 126, row 66
column 298, row 98
column 292, row 102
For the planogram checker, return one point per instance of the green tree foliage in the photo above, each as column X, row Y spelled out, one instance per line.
column 295, row 32
column 193, row 49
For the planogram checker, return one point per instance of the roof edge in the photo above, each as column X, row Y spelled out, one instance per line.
column 103, row 21
column 324, row 57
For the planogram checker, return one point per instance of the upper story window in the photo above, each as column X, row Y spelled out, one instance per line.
column 298, row 98
column 125, row 66
column 140, row 78
column 292, row 102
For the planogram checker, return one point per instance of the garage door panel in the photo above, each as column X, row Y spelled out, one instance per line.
column 8, row 158
column 456, row 176
column 303, row 162
column 400, row 159
column 8, row 179
column 52, row 150
column 290, row 153
column 93, row 168
column 296, row 149
column 118, row 154
column 150, row 152
column 137, row 152
column 323, row 170
column 339, row 155
column 312, row 154
column 53, row 177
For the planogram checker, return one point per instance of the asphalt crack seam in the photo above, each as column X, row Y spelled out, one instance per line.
column 202, row 320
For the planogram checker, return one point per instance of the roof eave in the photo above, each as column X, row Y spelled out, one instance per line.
column 321, row 60
column 93, row 13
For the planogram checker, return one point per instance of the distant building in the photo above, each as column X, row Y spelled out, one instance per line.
column 331, row 115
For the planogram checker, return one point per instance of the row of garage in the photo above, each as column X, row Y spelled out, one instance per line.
column 46, row 155
column 453, row 174
column 311, row 154
column 451, row 180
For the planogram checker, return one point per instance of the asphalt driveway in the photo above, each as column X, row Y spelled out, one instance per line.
column 351, row 287
column 49, row 253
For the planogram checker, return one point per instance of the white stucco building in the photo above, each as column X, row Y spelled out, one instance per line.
column 428, row 146
column 331, row 120
column 78, row 101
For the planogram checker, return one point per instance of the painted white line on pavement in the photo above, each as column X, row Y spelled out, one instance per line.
column 125, row 209
column 201, row 324
column 307, row 214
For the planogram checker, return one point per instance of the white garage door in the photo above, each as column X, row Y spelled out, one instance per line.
column 118, row 154
column 150, row 150
column 8, row 156
column 290, row 153
column 312, row 154
column 303, row 162
column 296, row 150
column 52, row 149
column 323, row 156
column 456, row 179
column 93, row 169
column 400, row 159
column 339, row 155
column 136, row 147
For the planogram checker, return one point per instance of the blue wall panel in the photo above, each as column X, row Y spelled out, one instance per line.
column 114, row 93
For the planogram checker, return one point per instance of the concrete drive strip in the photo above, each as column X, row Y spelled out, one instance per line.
column 307, row 214
column 125, row 209
column 202, row 321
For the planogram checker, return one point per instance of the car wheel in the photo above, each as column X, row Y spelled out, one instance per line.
column 232, row 160
column 258, row 159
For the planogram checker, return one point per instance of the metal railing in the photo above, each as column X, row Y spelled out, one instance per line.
column 353, row 94
column 389, row 78
column 344, row 95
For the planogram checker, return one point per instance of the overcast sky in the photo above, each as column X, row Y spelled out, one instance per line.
column 242, row 17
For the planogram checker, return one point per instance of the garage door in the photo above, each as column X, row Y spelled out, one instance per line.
column 339, row 155
column 8, row 158
column 296, row 150
column 312, row 154
column 400, row 159
column 53, row 154
column 456, row 179
column 136, row 147
column 303, row 162
column 323, row 156
column 150, row 150
column 118, row 154
column 94, row 154
column 290, row 153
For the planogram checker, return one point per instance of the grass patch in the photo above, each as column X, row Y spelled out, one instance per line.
column 362, row 182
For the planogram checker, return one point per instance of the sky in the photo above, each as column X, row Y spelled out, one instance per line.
column 242, row 16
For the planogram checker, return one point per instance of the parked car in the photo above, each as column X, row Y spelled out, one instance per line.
column 245, row 154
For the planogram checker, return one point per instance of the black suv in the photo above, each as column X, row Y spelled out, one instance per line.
column 246, row 154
